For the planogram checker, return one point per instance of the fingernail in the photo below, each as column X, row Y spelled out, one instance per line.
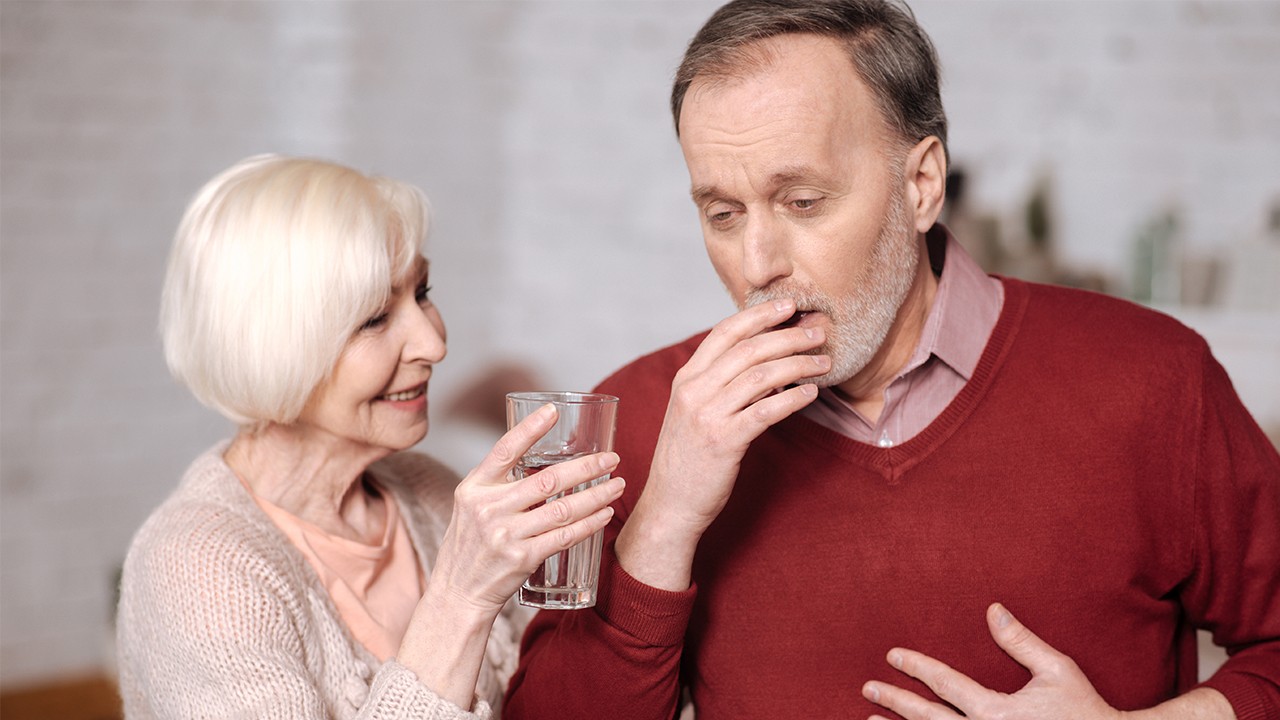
column 1003, row 618
column 547, row 410
column 895, row 659
column 783, row 305
column 821, row 360
column 609, row 459
column 809, row 389
column 871, row 692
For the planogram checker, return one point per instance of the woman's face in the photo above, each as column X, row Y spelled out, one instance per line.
column 377, row 395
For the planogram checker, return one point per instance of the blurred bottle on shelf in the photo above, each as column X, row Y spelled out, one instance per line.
column 1157, row 269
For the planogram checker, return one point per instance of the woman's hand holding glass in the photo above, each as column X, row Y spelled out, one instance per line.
column 501, row 530
column 499, row 533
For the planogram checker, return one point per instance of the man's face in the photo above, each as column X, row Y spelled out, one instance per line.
column 790, row 169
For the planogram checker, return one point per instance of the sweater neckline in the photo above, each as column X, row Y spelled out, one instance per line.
column 235, row 493
column 892, row 462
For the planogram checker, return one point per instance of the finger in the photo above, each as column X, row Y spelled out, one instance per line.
column 906, row 703
column 1023, row 645
column 947, row 683
column 738, row 327
column 763, row 380
column 748, row 357
column 772, row 409
column 513, row 445
column 552, row 480
column 555, row 540
column 571, row 508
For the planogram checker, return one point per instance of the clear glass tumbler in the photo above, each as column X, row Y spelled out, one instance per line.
column 584, row 425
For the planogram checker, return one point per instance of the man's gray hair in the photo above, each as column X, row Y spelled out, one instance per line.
column 888, row 48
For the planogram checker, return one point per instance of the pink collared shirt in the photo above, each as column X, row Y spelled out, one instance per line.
column 965, row 309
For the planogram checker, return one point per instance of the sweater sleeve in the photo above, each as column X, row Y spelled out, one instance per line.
column 1234, row 590
column 210, row 627
column 620, row 659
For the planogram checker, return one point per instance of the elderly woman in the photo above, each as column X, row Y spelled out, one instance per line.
column 310, row 566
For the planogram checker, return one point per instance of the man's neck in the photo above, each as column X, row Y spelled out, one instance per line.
column 865, row 391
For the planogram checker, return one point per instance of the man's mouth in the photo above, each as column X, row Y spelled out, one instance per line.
column 410, row 394
column 792, row 321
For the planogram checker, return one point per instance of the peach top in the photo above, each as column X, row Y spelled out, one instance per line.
column 374, row 587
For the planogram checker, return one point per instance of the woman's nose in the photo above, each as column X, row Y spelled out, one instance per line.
column 425, row 336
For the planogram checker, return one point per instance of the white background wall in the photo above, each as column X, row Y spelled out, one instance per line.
column 563, row 233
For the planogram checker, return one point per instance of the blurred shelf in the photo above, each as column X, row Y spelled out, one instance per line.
column 80, row 698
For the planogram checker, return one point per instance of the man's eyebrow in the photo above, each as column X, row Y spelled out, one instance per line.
column 792, row 174
column 785, row 176
column 702, row 193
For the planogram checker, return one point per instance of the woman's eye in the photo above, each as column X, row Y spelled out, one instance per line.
column 422, row 294
column 375, row 322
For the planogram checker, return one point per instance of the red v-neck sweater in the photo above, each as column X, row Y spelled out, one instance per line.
column 1097, row 475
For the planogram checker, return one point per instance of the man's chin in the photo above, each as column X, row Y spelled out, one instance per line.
column 824, row 381
column 839, row 374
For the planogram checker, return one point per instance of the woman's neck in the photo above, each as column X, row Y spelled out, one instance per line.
column 316, row 478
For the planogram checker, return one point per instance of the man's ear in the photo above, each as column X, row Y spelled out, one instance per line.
column 925, row 176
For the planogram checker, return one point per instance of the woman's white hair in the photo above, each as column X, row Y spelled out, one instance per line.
column 276, row 263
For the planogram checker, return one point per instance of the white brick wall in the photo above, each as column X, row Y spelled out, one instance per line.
column 1133, row 107
column 540, row 131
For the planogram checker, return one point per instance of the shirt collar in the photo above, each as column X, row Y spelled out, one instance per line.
column 965, row 308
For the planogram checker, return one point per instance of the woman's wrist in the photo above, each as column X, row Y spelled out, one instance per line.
column 444, row 644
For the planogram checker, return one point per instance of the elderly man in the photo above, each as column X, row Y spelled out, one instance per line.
column 885, row 443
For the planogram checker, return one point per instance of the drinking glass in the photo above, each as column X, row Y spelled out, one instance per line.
column 584, row 425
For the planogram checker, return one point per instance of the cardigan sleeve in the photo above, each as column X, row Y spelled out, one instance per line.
column 1234, row 590
column 210, row 627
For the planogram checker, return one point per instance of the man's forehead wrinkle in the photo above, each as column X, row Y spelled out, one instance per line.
column 729, row 122
column 720, row 151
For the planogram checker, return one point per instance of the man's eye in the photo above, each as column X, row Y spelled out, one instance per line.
column 805, row 203
column 422, row 294
column 719, row 215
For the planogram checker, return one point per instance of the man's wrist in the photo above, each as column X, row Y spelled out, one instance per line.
column 656, row 551
column 1201, row 703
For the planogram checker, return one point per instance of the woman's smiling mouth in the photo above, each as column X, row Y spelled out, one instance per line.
column 410, row 394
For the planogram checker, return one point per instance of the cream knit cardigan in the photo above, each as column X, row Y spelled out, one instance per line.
column 221, row 617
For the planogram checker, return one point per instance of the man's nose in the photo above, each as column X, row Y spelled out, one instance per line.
column 764, row 252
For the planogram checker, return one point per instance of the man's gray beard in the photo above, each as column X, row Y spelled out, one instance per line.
column 859, row 323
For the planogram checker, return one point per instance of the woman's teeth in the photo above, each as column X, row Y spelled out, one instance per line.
column 406, row 395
